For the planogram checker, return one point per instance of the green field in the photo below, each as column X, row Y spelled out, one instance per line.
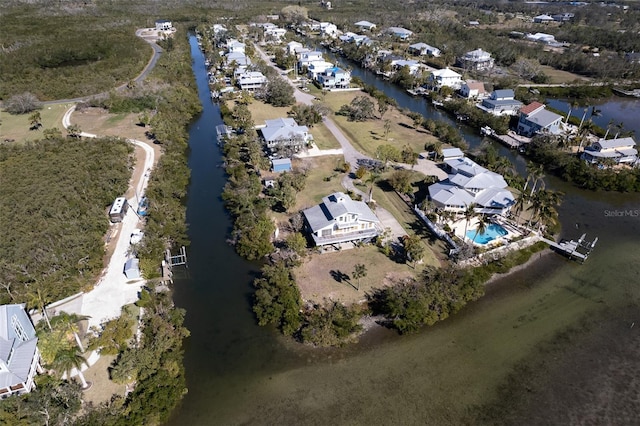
column 16, row 127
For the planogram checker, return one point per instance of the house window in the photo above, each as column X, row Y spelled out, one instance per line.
column 326, row 232
column 18, row 329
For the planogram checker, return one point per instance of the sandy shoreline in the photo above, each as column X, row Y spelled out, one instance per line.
column 534, row 258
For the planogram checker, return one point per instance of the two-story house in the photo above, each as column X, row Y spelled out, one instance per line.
column 476, row 60
column 285, row 132
column 306, row 58
column 19, row 355
column 620, row 150
column 251, row 80
column 314, row 69
column 445, row 77
column 469, row 183
column 534, row 118
column 235, row 46
column 473, row 90
column 501, row 102
column 339, row 219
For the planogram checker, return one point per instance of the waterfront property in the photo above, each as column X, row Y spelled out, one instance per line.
column 164, row 25
column 445, row 77
column 473, row 90
column 534, row 118
column 501, row 102
column 19, row 355
column 334, row 78
column 620, row 151
column 491, row 233
column 251, row 80
column 476, row 60
column 339, row 219
column 285, row 132
column 468, row 184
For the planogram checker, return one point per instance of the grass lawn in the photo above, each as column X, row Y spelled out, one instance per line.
column 323, row 138
column 319, row 168
column 103, row 388
column 558, row 76
column 316, row 282
column 100, row 122
column 368, row 135
column 16, row 127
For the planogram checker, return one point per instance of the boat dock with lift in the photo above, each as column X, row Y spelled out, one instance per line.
column 577, row 250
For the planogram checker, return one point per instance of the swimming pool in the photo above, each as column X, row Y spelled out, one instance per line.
column 492, row 232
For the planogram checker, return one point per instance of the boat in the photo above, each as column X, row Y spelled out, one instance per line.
column 437, row 103
column 143, row 205
column 486, row 131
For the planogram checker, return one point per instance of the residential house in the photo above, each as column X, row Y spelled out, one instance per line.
column 469, row 183
column 164, row 25
column 424, row 49
column 543, row 19
column 632, row 57
column 234, row 46
column 476, row 60
column 474, row 23
column 334, row 78
column 473, row 90
column 401, row 33
column 445, row 77
column 237, row 58
column 542, row 38
column 314, row 69
column 501, row 102
column 281, row 165
column 620, row 150
column 327, row 29
column 563, row 17
column 293, row 47
column 218, row 29
column 308, row 57
column 339, row 219
column 414, row 67
column 251, row 80
column 274, row 33
column 19, row 354
column 365, row 25
column 285, row 132
column 452, row 153
column 534, row 118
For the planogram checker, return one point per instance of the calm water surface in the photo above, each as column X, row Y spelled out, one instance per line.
column 239, row 373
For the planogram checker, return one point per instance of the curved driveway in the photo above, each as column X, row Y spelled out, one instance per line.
column 113, row 290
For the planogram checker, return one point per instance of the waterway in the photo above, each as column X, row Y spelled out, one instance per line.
column 239, row 373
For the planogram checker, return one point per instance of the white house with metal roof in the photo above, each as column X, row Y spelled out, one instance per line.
column 423, row 49
column 445, row 77
column 251, row 80
column 339, row 219
column 620, row 150
column 365, row 25
column 19, row 355
column 469, row 183
column 285, row 132
column 401, row 33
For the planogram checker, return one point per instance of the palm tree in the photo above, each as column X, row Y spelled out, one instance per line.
column 572, row 106
column 619, row 129
column 520, row 201
column 68, row 359
column 584, row 114
column 69, row 323
column 469, row 213
column 36, row 298
column 483, row 222
column 608, row 128
column 537, row 174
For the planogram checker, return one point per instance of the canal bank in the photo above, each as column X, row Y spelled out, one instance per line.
column 239, row 373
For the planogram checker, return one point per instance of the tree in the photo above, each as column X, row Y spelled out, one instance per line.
column 387, row 152
column 114, row 337
column 387, row 128
column 413, row 248
column 22, row 104
column 297, row 242
column 481, row 227
column 361, row 108
column 37, row 298
column 279, row 92
column 400, row 181
column 359, row 271
column 69, row 324
column 74, row 131
column 294, row 14
column 277, row 299
column 469, row 213
column 35, row 120
column 68, row 359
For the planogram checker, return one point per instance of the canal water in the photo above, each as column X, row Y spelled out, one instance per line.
column 239, row 373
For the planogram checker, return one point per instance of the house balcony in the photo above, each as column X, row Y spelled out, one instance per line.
column 345, row 237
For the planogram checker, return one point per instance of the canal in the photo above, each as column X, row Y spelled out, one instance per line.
column 239, row 373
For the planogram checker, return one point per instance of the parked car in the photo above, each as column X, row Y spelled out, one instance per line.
column 136, row 236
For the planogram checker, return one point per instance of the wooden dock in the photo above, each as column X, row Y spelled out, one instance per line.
column 507, row 140
column 577, row 250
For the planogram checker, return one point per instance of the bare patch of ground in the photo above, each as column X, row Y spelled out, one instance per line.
column 103, row 388
column 329, row 275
